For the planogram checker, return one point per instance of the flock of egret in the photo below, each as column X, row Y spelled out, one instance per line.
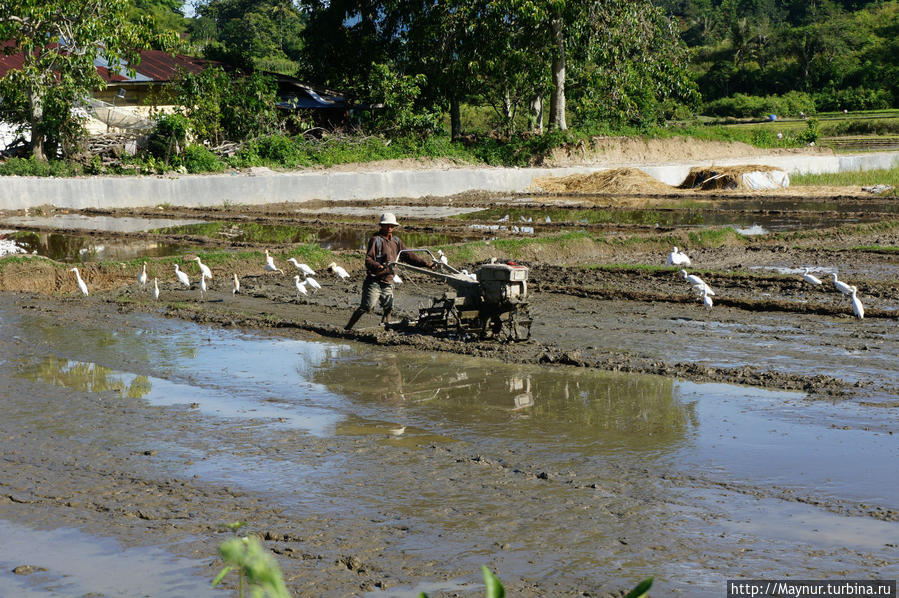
column 303, row 287
column 309, row 284
column 679, row 258
column 857, row 308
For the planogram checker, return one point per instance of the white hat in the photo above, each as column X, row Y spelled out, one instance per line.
column 388, row 218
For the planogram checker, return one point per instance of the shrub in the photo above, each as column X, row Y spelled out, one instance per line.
column 745, row 106
column 277, row 149
column 197, row 158
column 31, row 167
column 169, row 137
column 854, row 98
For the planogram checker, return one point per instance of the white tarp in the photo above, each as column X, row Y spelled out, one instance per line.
column 771, row 179
column 118, row 117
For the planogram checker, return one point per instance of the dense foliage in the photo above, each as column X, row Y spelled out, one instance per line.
column 60, row 40
column 844, row 54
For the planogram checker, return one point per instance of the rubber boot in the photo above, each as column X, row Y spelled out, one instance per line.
column 385, row 319
column 354, row 318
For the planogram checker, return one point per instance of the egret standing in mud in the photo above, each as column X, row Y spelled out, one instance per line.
column 205, row 272
column 841, row 286
column 270, row 264
column 182, row 276
column 142, row 277
column 442, row 257
column 677, row 258
column 312, row 283
column 301, row 286
column 155, row 290
column 236, row 288
column 81, row 284
column 857, row 308
column 809, row 278
column 338, row 270
column 697, row 283
column 203, row 287
column 706, row 300
column 305, row 269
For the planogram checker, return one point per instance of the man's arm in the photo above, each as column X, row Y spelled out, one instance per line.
column 413, row 258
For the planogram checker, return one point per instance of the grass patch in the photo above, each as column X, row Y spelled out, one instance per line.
column 852, row 178
column 876, row 248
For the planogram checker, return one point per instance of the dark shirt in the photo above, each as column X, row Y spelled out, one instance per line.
column 376, row 259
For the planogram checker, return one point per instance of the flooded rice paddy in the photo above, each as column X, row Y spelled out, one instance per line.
column 581, row 466
column 379, row 464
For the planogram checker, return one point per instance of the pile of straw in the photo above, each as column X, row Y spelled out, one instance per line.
column 620, row 180
column 720, row 177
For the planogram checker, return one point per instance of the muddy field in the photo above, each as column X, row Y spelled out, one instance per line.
column 417, row 511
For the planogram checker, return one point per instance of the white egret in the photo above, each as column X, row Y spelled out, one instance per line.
column 677, row 258
column 142, row 277
column 338, row 270
column 182, row 276
column 442, row 257
column 704, row 288
column 202, row 286
column 312, row 282
column 301, row 286
column 474, row 277
column 841, row 286
column 81, row 284
column 706, row 300
column 857, row 308
column 270, row 264
column 205, row 272
column 397, row 431
column 155, row 289
column 236, row 288
column 695, row 281
column 809, row 278
column 301, row 267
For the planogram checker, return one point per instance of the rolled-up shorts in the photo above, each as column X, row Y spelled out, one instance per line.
column 375, row 290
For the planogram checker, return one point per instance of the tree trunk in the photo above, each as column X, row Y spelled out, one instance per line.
column 507, row 112
column 536, row 116
column 557, row 99
column 455, row 119
column 37, row 126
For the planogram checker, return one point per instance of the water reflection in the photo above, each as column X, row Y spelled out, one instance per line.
column 328, row 237
column 763, row 217
column 86, row 377
column 76, row 248
column 515, row 400
column 74, row 564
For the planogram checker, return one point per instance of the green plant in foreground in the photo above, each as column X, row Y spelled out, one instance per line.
column 255, row 564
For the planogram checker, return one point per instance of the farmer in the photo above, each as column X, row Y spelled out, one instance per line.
column 383, row 248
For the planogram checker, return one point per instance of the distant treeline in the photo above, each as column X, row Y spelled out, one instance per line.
column 842, row 54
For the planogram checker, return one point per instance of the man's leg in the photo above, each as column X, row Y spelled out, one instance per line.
column 371, row 290
column 386, row 302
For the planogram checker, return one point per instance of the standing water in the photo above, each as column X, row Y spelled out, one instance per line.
column 577, row 474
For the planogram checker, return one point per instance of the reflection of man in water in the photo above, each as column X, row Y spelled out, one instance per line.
column 383, row 248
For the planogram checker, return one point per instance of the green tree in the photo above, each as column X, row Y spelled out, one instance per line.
column 59, row 41
column 266, row 34
column 224, row 106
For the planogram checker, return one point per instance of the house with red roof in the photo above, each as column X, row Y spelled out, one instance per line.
column 128, row 98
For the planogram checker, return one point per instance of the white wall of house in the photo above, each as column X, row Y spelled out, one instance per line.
column 8, row 134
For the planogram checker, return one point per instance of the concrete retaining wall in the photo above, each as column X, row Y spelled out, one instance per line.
column 265, row 186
